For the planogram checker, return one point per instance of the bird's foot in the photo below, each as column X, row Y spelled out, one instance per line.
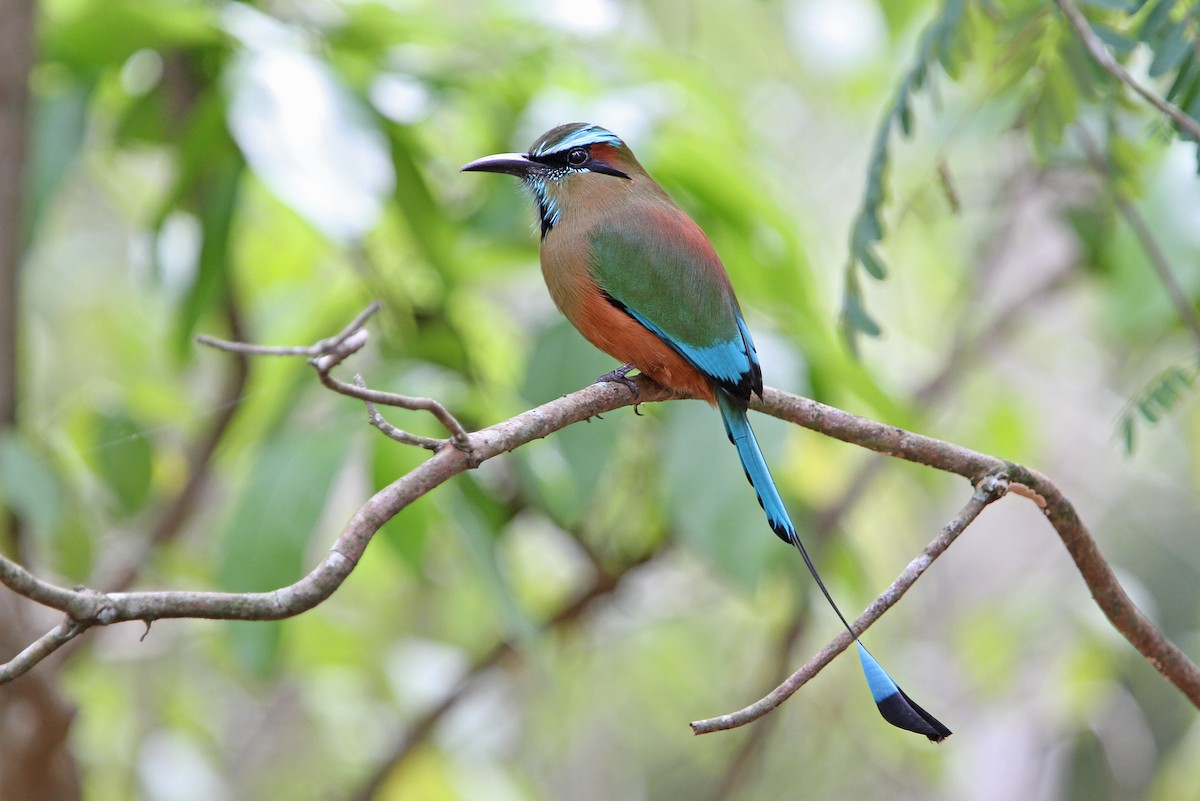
column 621, row 376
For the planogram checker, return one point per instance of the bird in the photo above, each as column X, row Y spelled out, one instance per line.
column 642, row 282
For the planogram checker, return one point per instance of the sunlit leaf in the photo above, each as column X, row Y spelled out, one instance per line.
column 103, row 33
column 302, row 132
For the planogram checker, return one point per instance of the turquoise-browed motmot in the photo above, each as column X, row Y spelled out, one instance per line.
column 641, row 281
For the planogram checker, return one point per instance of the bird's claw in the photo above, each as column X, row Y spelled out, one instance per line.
column 621, row 376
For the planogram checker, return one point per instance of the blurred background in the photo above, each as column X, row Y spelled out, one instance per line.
column 546, row 627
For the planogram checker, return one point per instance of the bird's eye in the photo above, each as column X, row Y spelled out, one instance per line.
column 577, row 156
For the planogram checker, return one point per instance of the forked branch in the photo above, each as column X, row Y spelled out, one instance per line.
column 989, row 476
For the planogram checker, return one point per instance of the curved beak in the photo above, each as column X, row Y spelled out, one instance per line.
column 517, row 164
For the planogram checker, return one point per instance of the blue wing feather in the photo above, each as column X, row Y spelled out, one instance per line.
column 726, row 363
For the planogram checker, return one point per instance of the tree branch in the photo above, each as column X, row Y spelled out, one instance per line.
column 1112, row 599
column 39, row 649
column 991, row 477
column 16, row 60
column 89, row 608
column 329, row 353
column 991, row 488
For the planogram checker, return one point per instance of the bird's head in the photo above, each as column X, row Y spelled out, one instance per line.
column 557, row 161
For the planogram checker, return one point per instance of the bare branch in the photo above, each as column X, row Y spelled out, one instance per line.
column 326, row 354
column 93, row 608
column 1101, row 56
column 991, row 488
column 41, row 648
column 458, row 434
column 389, row 430
column 1112, row 599
column 89, row 608
column 319, row 348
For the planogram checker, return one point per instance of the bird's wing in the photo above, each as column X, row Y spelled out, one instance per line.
column 658, row 266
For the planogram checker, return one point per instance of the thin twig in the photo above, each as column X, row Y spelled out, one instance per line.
column 328, row 353
column 1104, row 58
column 391, row 431
column 1110, row 596
column 91, row 608
column 39, row 649
column 991, row 488
column 458, row 434
column 319, row 348
column 350, row 330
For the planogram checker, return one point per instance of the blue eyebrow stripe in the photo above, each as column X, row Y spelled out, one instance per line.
column 593, row 135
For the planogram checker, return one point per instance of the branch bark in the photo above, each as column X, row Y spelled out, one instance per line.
column 16, row 59
column 35, row 763
column 991, row 488
column 1108, row 593
column 989, row 475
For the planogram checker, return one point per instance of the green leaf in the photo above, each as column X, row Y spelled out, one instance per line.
column 104, row 33
column 256, row 644
column 216, row 195
column 58, row 126
column 124, row 459
column 1120, row 43
column 904, row 114
column 564, row 471
column 480, row 540
column 1158, row 17
column 263, row 545
column 1171, row 52
column 1126, row 432
column 871, row 263
column 29, row 485
column 712, row 505
column 854, row 315
column 1159, row 398
column 1186, row 79
column 408, row 533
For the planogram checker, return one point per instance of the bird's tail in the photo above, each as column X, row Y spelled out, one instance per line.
column 896, row 707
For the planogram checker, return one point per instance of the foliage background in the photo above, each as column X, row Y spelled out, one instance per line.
column 262, row 171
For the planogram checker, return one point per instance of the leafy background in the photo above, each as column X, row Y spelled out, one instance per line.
column 261, row 171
